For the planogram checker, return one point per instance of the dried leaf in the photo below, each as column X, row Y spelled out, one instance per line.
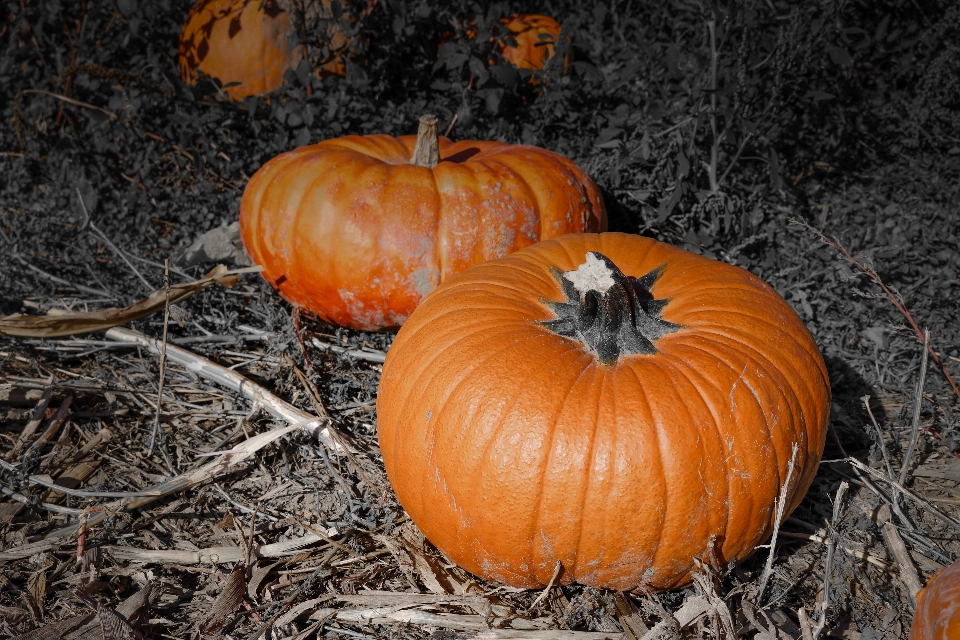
column 56, row 630
column 226, row 603
column 51, row 326
column 114, row 626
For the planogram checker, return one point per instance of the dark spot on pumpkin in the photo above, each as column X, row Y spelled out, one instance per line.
column 280, row 280
column 235, row 26
column 272, row 9
column 202, row 50
column 462, row 156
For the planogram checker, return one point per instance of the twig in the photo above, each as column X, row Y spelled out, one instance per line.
column 103, row 236
column 917, row 405
column 546, row 590
column 53, row 278
column 828, row 563
column 781, row 504
column 230, row 379
column 899, row 487
column 55, row 508
column 888, row 293
column 908, row 573
column 80, row 493
column 157, row 431
column 78, row 103
column 883, row 448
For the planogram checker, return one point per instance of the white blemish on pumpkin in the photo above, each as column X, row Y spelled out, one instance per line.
column 429, row 414
column 424, row 280
column 592, row 275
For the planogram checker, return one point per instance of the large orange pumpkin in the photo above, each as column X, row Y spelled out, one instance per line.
column 938, row 607
column 604, row 401
column 358, row 230
column 253, row 42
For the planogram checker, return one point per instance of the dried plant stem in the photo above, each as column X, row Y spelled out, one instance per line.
column 157, row 431
column 546, row 590
column 781, row 505
column 828, row 562
column 232, row 380
column 908, row 573
column 917, row 405
column 116, row 250
column 888, row 293
column 899, row 487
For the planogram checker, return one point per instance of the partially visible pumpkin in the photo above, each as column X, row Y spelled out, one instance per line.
column 255, row 42
column 535, row 37
column 938, row 607
column 603, row 401
column 358, row 229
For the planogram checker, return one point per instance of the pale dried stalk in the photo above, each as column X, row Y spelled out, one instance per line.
column 828, row 562
column 230, row 379
column 781, row 505
column 908, row 573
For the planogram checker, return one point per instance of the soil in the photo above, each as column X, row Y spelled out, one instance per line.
column 815, row 144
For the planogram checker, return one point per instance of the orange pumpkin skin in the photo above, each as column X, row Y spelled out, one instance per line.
column 531, row 51
column 351, row 230
column 938, row 607
column 513, row 447
column 235, row 41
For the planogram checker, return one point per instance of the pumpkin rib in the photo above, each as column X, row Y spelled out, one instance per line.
column 494, row 436
column 537, row 511
column 784, row 379
column 466, row 374
column 801, row 438
column 589, row 456
column 696, row 385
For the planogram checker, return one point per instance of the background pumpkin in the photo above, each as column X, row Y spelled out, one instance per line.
column 242, row 41
column 938, row 607
column 535, row 37
column 513, row 447
column 356, row 230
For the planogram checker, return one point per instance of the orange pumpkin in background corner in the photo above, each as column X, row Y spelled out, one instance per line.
column 255, row 42
column 532, row 50
column 938, row 607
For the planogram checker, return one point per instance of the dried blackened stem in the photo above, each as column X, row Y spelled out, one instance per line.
column 427, row 151
column 609, row 313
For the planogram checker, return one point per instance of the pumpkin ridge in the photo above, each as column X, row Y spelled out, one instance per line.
column 668, row 361
column 537, row 511
column 664, row 504
column 428, row 365
column 503, row 417
column 599, row 373
column 802, row 426
column 441, row 408
column 797, row 432
column 785, row 378
column 671, row 490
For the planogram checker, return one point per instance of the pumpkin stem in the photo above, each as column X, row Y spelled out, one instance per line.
column 427, row 151
column 609, row 313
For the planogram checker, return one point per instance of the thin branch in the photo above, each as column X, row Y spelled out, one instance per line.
column 78, row 103
column 888, row 293
column 781, row 504
column 828, row 563
column 917, row 405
